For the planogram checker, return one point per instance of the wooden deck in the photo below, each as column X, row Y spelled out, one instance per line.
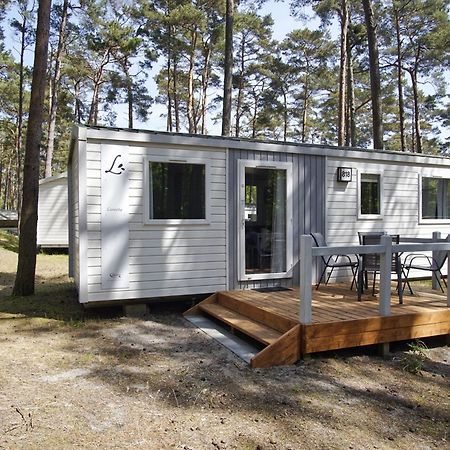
column 338, row 320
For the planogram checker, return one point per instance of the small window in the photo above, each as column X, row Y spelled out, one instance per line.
column 177, row 191
column 370, row 191
column 435, row 198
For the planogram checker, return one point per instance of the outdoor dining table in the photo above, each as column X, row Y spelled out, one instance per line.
column 371, row 263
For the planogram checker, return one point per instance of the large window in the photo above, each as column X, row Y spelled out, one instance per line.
column 370, row 195
column 435, row 198
column 177, row 191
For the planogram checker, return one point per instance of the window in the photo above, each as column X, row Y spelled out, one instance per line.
column 370, row 195
column 176, row 191
column 435, row 198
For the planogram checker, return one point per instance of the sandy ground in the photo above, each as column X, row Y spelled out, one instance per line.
column 98, row 380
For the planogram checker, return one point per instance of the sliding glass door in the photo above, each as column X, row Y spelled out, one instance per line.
column 265, row 220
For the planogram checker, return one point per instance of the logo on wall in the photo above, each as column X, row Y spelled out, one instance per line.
column 114, row 217
column 116, row 167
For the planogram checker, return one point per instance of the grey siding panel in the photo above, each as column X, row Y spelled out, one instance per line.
column 308, row 208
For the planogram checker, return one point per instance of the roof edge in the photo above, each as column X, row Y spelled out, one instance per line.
column 85, row 132
column 53, row 178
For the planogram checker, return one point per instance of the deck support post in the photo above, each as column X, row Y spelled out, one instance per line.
column 306, row 243
column 385, row 276
column 434, row 275
column 448, row 273
column 384, row 349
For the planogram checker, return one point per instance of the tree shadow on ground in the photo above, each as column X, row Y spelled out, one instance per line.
column 54, row 299
column 204, row 373
column 57, row 298
column 173, row 363
column 167, row 358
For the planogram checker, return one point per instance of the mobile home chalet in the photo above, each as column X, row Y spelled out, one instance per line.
column 52, row 227
column 155, row 214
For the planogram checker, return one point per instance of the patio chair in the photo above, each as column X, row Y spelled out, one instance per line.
column 432, row 264
column 334, row 261
column 371, row 262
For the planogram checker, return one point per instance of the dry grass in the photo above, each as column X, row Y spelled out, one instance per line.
column 75, row 380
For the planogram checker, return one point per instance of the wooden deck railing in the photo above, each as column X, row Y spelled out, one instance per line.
column 385, row 249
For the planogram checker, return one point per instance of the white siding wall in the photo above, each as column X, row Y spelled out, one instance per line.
column 165, row 260
column 52, row 227
column 400, row 184
column 74, row 246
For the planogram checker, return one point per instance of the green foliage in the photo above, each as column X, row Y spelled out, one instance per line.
column 414, row 359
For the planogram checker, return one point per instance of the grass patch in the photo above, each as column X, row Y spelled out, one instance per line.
column 414, row 359
column 51, row 301
column 9, row 241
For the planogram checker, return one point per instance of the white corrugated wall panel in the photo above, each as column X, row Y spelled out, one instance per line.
column 164, row 260
column 52, row 227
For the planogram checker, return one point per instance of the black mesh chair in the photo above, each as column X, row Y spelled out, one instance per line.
column 334, row 261
column 371, row 262
column 427, row 263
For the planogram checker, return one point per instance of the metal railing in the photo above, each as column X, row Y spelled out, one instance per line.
column 385, row 249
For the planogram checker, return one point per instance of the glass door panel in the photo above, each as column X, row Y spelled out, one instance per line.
column 265, row 223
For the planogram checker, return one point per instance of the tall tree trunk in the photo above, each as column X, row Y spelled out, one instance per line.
column 130, row 97
column 7, row 185
column 19, row 139
column 169, row 80
column 205, row 80
column 240, row 89
column 350, row 139
column 401, row 107
column 175, row 96
column 255, row 107
column 169, row 96
column 26, row 267
column 305, row 106
column 285, row 116
column 77, row 93
column 55, row 83
column 255, row 113
column 343, row 72
column 92, row 118
column 417, row 129
column 98, row 81
column 228, row 69
column 375, row 80
column 190, row 103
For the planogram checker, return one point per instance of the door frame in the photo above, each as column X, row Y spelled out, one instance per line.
column 288, row 167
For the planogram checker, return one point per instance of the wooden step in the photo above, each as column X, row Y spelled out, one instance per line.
column 255, row 312
column 255, row 330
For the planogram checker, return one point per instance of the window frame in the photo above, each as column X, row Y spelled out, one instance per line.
column 420, row 184
column 379, row 216
column 277, row 165
column 176, row 160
